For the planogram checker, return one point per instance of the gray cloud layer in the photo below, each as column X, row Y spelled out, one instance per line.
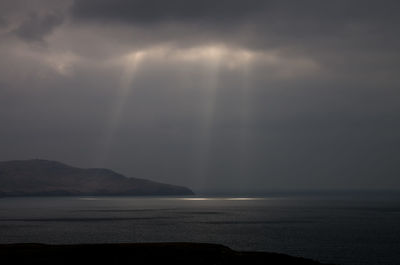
column 36, row 27
column 141, row 11
column 216, row 95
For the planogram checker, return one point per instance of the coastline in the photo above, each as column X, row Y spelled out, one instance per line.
column 140, row 253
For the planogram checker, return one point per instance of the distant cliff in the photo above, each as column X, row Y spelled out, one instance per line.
column 50, row 178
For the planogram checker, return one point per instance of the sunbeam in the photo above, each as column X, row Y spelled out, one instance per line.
column 131, row 65
column 204, row 137
column 245, row 119
column 211, row 58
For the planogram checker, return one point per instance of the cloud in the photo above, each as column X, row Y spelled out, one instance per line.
column 337, row 34
column 153, row 11
column 37, row 26
column 3, row 22
column 270, row 20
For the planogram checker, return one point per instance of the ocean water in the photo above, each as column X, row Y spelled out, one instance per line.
column 332, row 230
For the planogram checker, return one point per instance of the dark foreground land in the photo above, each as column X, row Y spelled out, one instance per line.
column 140, row 253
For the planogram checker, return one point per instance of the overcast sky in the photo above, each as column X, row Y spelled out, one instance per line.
column 215, row 95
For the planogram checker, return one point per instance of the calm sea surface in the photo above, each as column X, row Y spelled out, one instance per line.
column 335, row 230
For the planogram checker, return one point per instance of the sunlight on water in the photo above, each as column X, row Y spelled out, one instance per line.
column 176, row 198
column 218, row 199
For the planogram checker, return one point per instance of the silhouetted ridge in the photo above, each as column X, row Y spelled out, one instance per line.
column 45, row 177
column 144, row 253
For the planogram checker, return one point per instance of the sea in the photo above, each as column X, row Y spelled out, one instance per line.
column 338, row 230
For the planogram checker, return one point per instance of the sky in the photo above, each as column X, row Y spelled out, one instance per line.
column 239, row 96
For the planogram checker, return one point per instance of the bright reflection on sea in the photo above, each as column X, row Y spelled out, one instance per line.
column 218, row 199
column 176, row 198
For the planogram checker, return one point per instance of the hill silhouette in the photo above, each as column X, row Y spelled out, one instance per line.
column 51, row 178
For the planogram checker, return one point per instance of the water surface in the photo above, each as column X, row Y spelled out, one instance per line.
column 336, row 230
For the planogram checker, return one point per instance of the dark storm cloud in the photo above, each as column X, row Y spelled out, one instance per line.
column 220, row 10
column 332, row 31
column 299, row 19
column 35, row 27
column 153, row 11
